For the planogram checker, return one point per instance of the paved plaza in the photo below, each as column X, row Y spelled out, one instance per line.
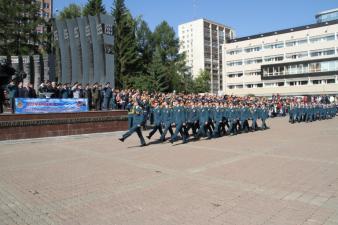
column 287, row 175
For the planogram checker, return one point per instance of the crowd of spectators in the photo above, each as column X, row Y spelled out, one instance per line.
column 103, row 97
column 100, row 97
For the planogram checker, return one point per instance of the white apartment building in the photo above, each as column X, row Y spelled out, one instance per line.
column 295, row 61
column 201, row 40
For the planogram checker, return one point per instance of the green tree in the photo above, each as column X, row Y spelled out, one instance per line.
column 159, row 73
column 94, row 7
column 143, row 82
column 125, row 45
column 70, row 12
column 18, row 30
column 165, row 40
column 145, row 44
column 202, row 82
column 7, row 13
column 186, row 83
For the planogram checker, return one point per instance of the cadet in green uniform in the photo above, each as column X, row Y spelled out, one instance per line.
column 226, row 120
column 234, row 120
column 167, row 120
column 192, row 119
column 204, row 125
column 264, row 115
column 157, row 114
column 179, row 116
column 217, row 119
column 243, row 118
column 254, row 117
column 131, row 112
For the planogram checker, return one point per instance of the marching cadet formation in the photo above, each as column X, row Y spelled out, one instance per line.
column 197, row 118
column 304, row 112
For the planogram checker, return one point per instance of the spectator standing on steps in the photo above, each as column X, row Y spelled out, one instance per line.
column 88, row 95
column 12, row 90
column 96, row 95
column 107, row 95
column 77, row 91
column 2, row 99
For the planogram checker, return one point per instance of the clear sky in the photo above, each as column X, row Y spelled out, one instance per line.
column 247, row 17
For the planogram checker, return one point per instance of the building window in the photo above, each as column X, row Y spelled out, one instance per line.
column 253, row 49
column 252, row 73
column 274, row 58
column 322, row 52
column 315, row 82
column 301, row 68
column 235, row 74
column 269, row 84
column 274, row 45
column 314, row 67
column 317, row 39
column 331, row 81
column 253, row 61
column 296, row 42
column 45, row 5
column 234, row 51
column 235, row 63
column 296, row 55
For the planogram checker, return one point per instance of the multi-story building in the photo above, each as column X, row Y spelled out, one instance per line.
column 296, row 61
column 201, row 40
column 46, row 8
column 46, row 12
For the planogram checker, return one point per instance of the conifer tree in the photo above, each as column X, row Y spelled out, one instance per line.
column 159, row 73
column 19, row 20
column 70, row 12
column 94, row 7
column 125, row 45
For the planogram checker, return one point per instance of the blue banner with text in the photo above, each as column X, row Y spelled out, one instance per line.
column 50, row 105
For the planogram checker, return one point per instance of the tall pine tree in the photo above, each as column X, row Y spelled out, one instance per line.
column 125, row 45
column 159, row 73
column 94, row 7
column 168, row 44
column 70, row 12
column 145, row 44
column 19, row 20
column 202, row 82
column 7, row 13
